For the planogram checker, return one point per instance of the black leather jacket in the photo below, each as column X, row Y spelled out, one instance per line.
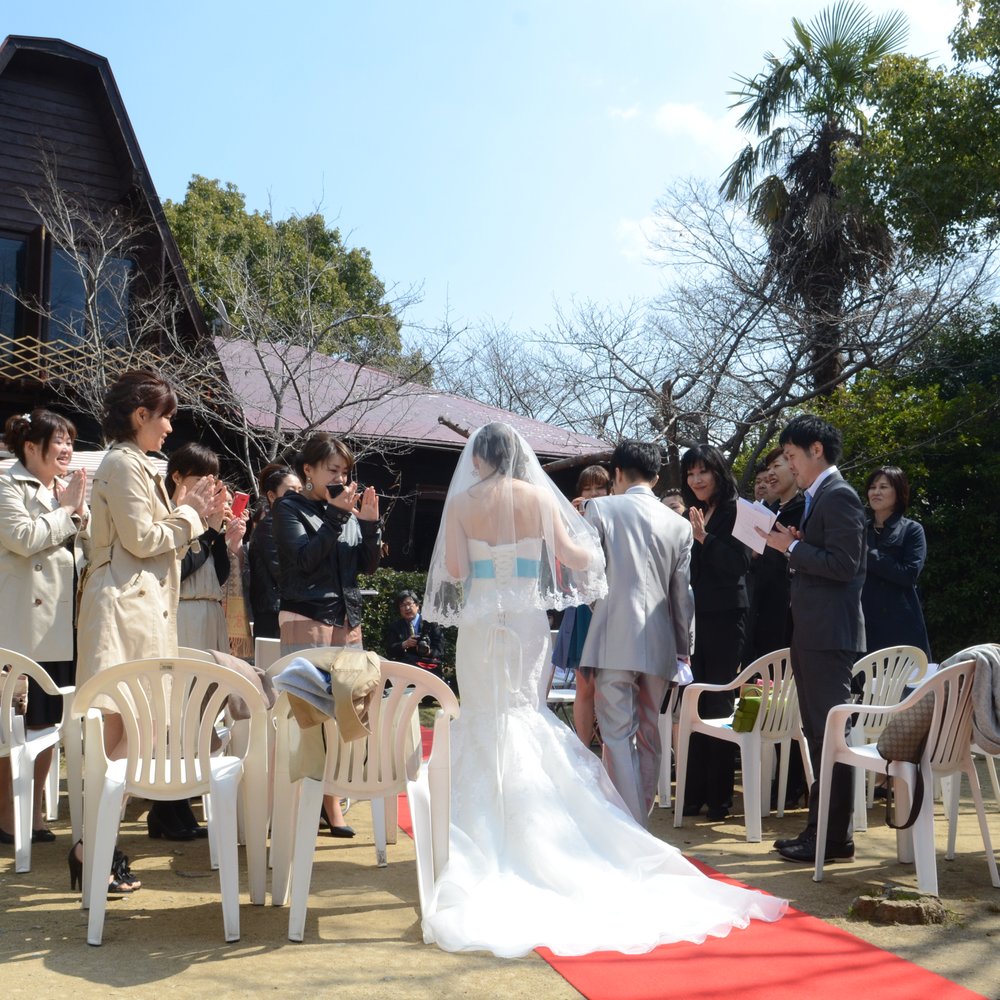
column 321, row 550
column 262, row 555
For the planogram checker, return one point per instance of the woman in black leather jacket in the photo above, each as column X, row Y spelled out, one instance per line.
column 262, row 554
column 324, row 538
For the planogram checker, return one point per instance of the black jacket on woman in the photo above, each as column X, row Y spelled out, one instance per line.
column 265, row 598
column 719, row 566
column 893, row 616
column 321, row 551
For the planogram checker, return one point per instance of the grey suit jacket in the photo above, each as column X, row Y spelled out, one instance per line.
column 643, row 624
column 829, row 571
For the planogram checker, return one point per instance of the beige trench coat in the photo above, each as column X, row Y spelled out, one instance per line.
column 128, row 602
column 36, row 570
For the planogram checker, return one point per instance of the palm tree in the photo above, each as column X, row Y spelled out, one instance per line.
column 804, row 110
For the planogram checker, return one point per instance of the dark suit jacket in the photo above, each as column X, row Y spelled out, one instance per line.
column 828, row 567
column 399, row 631
column 770, row 623
column 893, row 616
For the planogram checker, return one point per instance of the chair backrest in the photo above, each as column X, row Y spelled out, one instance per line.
column 950, row 739
column 884, row 674
column 168, row 708
column 190, row 653
column 14, row 665
column 265, row 653
column 380, row 764
column 778, row 713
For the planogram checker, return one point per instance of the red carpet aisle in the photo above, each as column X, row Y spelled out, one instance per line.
column 798, row 958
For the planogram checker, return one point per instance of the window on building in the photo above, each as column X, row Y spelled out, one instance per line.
column 68, row 296
column 13, row 256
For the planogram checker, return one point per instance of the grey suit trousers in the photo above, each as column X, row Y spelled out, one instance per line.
column 628, row 711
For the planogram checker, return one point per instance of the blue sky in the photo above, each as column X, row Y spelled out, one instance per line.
column 504, row 156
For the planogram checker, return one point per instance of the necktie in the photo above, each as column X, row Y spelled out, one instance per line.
column 805, row 512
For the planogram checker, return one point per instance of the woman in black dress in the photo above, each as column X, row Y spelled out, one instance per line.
column 719, row 565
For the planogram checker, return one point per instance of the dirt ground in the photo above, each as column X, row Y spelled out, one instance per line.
column 363, row 936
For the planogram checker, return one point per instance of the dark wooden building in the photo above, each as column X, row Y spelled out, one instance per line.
column 68, row 152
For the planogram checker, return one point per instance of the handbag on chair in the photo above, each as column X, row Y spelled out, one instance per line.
column 904, row 738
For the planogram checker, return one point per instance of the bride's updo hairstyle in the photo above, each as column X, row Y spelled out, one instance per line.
column 497, row 445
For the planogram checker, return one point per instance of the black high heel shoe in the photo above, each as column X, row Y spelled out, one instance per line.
column 162, row 821
column 344, row 832
column 75, row 867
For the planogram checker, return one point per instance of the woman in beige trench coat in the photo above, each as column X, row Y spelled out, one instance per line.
column 128, row 602
column 42, row 518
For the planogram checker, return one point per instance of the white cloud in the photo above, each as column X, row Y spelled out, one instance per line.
column 625, row 114
column 688, row 121
column 632, row 237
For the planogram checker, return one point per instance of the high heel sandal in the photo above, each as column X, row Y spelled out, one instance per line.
column 121, row 880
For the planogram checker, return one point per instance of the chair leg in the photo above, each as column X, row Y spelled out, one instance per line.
column 751, row 767
column 952, row 792
column 923, row 845
column 391, row 813
column 991, row 766
column 860, row 799
column 22, row 776
column 665, row 724
column 222, row 828
column 283, row 831
column 52, row 787
column 378, row 831
column 902, row 784
column 766, row 777
column 783, row 766
column 977, row 796
column 73, row 742
column 823, row 813
column 680, row 770
column 99, row 841
column 306, row 823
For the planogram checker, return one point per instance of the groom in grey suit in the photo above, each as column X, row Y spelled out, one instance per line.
column 641, row 628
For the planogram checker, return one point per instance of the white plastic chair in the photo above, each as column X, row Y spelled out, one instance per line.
column 946, row 755
column 168, row 708
column 886, row 674
column 23, row 745
column 376, row 768
column 777, row 723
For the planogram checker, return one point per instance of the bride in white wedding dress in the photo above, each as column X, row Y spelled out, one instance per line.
column 543, row 850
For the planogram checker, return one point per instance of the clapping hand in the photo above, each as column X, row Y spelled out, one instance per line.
column 697, row 519
column 348, row 501
column 207, row 497
column 71, row 496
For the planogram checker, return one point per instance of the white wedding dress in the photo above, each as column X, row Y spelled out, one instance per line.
column 543, row 850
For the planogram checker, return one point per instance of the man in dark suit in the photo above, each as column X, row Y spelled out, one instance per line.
column 826, row 556
column 412, row 639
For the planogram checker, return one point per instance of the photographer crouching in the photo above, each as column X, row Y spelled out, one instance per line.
column 413, row 640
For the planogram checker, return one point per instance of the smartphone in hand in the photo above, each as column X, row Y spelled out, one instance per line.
column 240, row 501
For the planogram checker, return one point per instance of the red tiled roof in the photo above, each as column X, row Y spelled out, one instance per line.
column 381, row 407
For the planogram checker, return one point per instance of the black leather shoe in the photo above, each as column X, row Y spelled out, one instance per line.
column 692, row 810
column 717, row 813
column 789, row 841
column 805, row 852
